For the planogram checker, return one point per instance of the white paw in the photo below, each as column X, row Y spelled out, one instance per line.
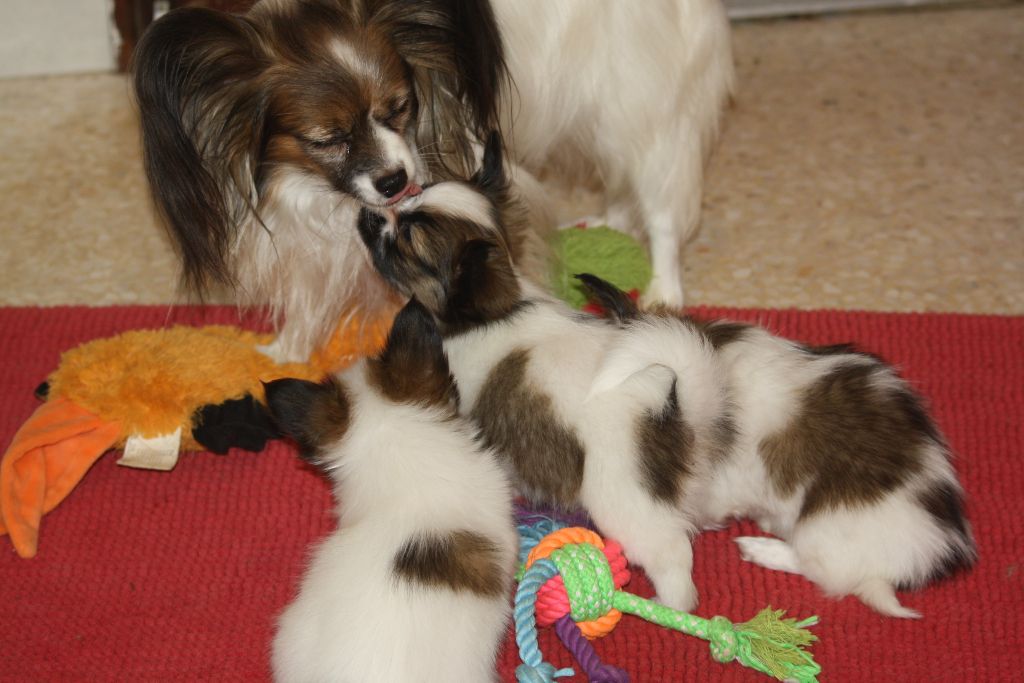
column 663, row 291
column 679, row 593
column 878, row 594
column 770, row 553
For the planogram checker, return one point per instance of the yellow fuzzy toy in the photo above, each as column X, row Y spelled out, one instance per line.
column 143, row 386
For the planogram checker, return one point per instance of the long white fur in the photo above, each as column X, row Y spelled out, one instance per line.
column 633, row 94
column 308, row 261
column 400, row 470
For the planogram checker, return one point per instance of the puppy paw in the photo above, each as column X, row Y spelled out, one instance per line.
column 679, row 594
column 663, row 292
column 770, row 553
column 878, row 594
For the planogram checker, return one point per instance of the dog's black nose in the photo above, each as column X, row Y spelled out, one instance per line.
column 390, row 185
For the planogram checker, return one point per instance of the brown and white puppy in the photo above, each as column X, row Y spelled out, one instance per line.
column 830, row 451
column 413, row 585
column 660, row 426
column 525, row 363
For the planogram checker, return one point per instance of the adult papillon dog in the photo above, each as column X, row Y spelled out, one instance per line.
column 264, row 133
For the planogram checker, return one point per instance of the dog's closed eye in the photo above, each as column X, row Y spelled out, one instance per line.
column 329, row 140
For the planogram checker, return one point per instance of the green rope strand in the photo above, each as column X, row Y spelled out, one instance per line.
column 583, row 567
column 767, row 643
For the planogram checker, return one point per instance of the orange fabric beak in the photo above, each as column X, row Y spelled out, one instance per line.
column 47, row 458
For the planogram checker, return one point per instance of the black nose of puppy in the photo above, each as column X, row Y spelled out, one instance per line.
column 390, row 185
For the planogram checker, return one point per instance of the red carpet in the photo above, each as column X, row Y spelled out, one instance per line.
column 147, row 576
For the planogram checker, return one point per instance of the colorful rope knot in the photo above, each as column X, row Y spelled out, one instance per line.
column 572, row 578
column 590, row 571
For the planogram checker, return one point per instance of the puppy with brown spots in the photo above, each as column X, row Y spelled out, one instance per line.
column 525, row 362
column 414, row 583
column 660, row 425
column 830, row 451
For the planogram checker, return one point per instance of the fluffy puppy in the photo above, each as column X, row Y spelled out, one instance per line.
column 524, row 363
column 627, row 95
column 413, row 585
column 661, row 426
column 264, row 133
column 826, row 448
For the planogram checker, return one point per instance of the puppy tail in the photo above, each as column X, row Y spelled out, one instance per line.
column 616, row 303
column 878, row 594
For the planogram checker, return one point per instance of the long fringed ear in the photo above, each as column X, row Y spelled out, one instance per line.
column 454, row 48
column 413, row 367
column 196, row 75
column 484, row 286
column 314, row 415
column 491, row 178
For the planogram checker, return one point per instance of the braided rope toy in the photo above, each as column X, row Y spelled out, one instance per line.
column 571, row 577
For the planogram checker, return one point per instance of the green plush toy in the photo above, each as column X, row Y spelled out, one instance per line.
column 609, row 254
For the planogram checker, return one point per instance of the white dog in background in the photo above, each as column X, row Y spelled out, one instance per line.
column 629, row 93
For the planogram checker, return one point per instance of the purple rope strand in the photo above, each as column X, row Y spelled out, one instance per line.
column 574, row 641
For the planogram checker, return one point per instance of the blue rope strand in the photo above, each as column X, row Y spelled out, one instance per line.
column 534, row 669
column 531, row 534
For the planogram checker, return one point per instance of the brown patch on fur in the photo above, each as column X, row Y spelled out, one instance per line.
column 945, row 503
column 723, row 436
column 428, row 387
column 830, row 350
column 315, row 415
column 329, row 415
column 413, row 367
column 521, row 425
column 666, row 449
column 721, row 332
column 287, row 150
column 484, row 288
column 850, row 443
column 460, row 561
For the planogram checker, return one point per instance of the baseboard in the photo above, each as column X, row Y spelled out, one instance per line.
column 763, row 9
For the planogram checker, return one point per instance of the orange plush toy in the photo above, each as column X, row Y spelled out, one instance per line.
column 144, row 391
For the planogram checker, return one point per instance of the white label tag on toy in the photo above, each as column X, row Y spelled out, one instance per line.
column 158, row 453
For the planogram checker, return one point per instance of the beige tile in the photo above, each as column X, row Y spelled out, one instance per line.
column 873, row 162
column 75, row 219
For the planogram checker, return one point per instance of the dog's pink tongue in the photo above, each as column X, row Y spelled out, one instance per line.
column 411, row 190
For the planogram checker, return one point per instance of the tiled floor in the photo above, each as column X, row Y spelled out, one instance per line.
column 871, row 161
